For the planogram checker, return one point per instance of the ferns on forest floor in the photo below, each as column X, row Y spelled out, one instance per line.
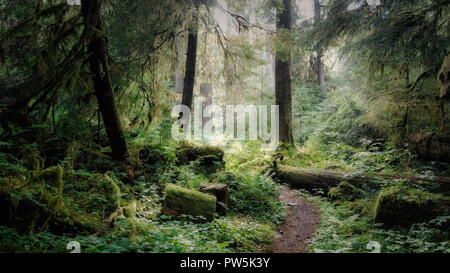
column 344, row 230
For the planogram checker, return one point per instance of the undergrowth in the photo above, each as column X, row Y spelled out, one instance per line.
column 344, row 230
column 254, row 210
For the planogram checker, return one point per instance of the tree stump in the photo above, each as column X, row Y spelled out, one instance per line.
column 220, row 191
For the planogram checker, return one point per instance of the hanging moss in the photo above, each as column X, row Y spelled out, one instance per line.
column 403, row 206
column 444, row 78
column 179, row 200
column 345, row 192
column 111, row 189
column 129, row 211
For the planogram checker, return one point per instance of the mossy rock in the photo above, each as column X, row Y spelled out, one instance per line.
column 345, row 192
column 404, row 206
column 209, row 158
column 179, row 200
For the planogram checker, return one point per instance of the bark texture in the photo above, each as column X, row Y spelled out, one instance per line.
column 98, row 62
column 283, row 91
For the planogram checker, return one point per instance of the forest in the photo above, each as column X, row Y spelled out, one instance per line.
column 224, row 126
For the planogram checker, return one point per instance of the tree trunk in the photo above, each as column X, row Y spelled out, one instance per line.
column 102, row 83
column 283, row 92
column 189, row 78
column 207, row 99
column 320, row 179
column 179, row 68
column 320, row 67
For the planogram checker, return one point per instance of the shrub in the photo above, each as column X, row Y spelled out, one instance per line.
column 253, row 194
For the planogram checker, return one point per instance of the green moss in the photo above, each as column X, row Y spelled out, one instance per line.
column 34, row 210
column 53, row 176
column 345, row 192
column 179, row 200
column 403, row 206
column 209, row 158
column 10, row 182
column 129, row 211
column 111, row 189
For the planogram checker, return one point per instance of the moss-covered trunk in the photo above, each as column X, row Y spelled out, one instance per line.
column 102, row 82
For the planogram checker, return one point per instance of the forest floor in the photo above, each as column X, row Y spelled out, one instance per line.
column 300, row 224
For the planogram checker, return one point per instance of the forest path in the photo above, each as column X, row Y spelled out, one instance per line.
column 299, row 226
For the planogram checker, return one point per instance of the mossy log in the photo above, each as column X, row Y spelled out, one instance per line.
column 320, row 179
column 403, row 206
column 179, row 200
column 209, row 158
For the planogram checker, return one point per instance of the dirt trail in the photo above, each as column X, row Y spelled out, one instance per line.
column 302, row 219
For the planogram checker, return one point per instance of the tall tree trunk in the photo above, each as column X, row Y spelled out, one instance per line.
column 207, row 99
column 283, row 92
column 98, row 62
column 320, row 67
column 179, row 66
column 189, row 78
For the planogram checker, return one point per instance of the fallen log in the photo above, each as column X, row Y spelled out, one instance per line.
column 179, row 200
column 321, row 179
